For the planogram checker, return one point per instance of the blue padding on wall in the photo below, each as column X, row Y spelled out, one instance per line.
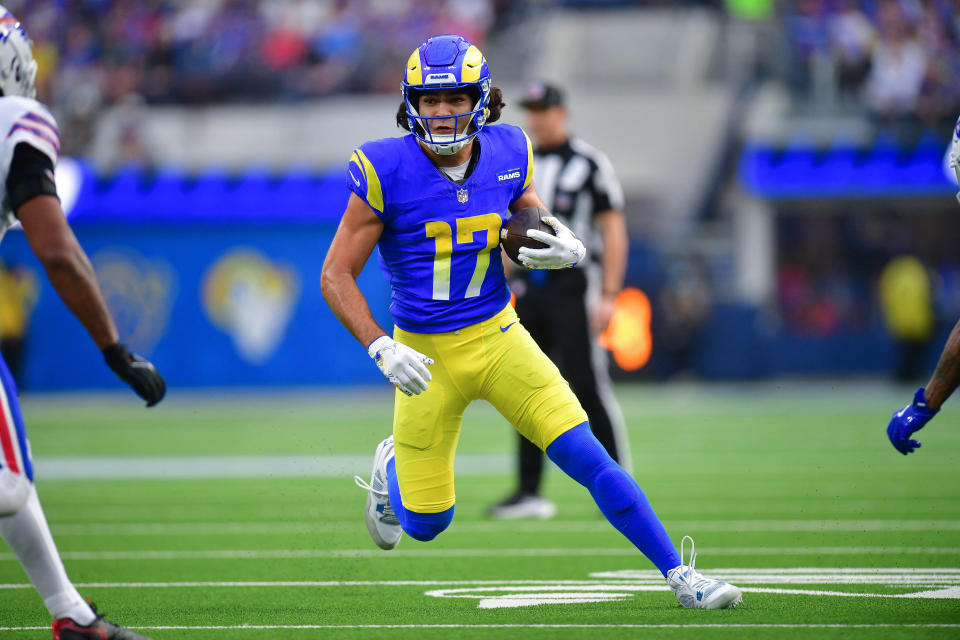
column 165, row 193
column 114, row 194
column 207, row 196
column 879, row 171
column 838, row 165
column 213, row 196
column 925, row 168
column 843, row 170
column 795, row 167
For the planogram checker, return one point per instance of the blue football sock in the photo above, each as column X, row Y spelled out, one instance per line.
column 581, row 456
column 419, row 526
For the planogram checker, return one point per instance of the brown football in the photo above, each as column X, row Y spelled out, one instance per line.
column 513, row 233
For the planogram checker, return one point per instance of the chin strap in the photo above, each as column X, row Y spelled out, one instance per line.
column 447, row 149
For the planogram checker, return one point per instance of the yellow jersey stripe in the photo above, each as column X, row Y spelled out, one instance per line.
column 529, row 179
column 374, row 191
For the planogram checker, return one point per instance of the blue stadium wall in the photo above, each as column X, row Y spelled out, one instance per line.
column 215, row 278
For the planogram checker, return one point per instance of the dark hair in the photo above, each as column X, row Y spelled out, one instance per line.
column 495, row 105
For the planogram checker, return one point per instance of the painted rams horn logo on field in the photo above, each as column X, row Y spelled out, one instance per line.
column 512, row 174
column 252, row 299
column 611, row 586
column 139, row 293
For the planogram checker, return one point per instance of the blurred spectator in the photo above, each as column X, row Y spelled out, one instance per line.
column 805, row 26
column 900, row 59
column 95, row 54
column 123, row 139
column 18, row 295
column 831, row 265
column 851, row 40
column 939, row 34
column 685, row 304
column 897, row 67
column 906, row 296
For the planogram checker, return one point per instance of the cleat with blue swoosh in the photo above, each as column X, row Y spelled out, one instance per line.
column 696, row 591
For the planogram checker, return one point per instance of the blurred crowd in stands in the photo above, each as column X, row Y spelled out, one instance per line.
column 94, row 52
column 852, row 272
column 899, row 58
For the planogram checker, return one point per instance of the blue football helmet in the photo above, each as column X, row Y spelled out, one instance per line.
column 443, row 63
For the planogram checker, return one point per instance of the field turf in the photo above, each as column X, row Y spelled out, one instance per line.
column 234, row 516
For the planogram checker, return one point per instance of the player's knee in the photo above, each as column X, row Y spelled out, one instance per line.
column 427, row 526
column 614, row 490
column 579, row 454
column 14, row 492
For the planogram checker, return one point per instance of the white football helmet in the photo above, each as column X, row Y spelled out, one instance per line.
column 18, row 69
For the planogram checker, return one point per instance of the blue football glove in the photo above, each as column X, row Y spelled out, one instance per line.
column 908, row 420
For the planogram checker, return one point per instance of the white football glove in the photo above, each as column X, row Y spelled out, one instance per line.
column 955, row 153
column 403, row 366
column 563, row 250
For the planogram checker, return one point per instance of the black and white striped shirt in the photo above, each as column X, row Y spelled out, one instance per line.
column 576, row 182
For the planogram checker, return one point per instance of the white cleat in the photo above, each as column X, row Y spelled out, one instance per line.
column 696, row 591
column 382, row 522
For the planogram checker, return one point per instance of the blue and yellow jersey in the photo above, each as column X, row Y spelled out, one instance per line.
column 440, row 247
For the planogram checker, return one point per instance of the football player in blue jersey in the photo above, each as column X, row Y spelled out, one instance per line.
column 433, row 202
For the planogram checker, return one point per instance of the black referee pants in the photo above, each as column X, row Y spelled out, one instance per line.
column 555, row 314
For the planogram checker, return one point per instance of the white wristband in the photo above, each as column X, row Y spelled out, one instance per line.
column 378, row 344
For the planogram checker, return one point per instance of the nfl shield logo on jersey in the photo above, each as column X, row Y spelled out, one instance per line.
column 461, row 195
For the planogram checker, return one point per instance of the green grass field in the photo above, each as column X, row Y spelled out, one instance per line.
column 194, row 521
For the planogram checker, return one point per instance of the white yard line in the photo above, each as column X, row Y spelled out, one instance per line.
column 280, row 554
column 890, row 577
column 293, row 627
column 314, row 583
column 237, row 466
column 484, row 526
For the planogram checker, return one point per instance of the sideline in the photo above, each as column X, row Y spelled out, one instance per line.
column 252, row 466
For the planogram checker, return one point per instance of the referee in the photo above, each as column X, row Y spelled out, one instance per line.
column 565, row 310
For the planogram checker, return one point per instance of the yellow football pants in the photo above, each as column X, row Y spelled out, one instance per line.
column 495, row 360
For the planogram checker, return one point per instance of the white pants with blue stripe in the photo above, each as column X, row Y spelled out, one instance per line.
column 16, row 466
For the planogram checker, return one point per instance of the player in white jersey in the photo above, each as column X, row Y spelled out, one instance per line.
column 946, row 377
column 29, row 148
